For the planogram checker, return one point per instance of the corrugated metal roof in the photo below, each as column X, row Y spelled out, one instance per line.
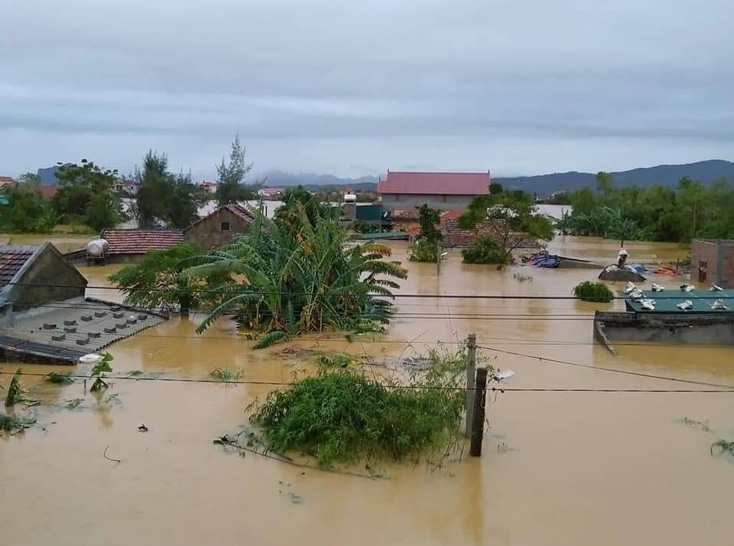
column 435, row 183
column 140, row 241
column 667, row 301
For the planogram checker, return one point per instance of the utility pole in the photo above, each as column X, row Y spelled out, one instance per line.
column 438, row 256
column 471, row 372
column 477, row 433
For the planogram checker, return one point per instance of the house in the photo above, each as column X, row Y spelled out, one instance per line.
column 129, row 245
column 220, row 226
column 44, row 315
column 6, row 181
column 442, row 190
column 209, row 187
column 271, row 194
column 712, row 262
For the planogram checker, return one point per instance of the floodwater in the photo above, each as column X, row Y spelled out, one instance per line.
column 571, row 468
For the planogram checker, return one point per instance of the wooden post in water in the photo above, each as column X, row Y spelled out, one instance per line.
column 477, row 433
column 471, row 372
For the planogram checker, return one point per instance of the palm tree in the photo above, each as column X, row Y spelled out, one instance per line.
column 303, row 280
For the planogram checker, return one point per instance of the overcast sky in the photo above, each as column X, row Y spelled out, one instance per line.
column 353, row 87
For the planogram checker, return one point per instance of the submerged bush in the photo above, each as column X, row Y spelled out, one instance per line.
column 423, row 250
column 593, row 291
column 484, row 250
column 344, row 416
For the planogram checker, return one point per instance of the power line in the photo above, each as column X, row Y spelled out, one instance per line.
column 611, row 370
column 658, row 296
column 388, row 386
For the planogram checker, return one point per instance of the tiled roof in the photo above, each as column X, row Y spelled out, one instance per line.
column 6, row 180
column 435, row 183
column 12, row 259
column 238, row 210
column 140, row 241
column 241, row 212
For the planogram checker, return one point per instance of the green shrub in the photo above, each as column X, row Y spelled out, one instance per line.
column 593, row 291
column 423, row 250
column 342, row 415
column 484, row 250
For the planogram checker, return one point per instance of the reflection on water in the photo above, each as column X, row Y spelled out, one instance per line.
column 572, row 468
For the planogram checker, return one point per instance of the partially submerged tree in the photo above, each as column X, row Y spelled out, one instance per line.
column 231, row 176
column 158, row 281
column 425, row 247
column 510, row 219
column 164, row 198
column 27, row 211
column 85, row 194
column 303, row 282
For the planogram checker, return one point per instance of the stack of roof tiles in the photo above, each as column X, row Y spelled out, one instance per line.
column 140, row 241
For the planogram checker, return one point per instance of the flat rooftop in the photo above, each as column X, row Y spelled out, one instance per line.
column 667, row 301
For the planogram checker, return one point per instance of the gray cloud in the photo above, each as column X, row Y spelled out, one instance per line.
column 517, row 86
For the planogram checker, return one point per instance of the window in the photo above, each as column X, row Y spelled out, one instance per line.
column 224, row 226
column 443, row 198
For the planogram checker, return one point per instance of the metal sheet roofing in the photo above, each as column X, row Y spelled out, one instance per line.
column 667, row 301
column 140, row 241
column 435, row 183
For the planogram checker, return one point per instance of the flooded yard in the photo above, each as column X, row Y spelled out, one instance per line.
column 575, row 466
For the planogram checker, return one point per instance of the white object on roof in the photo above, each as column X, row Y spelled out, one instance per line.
column 90, row 358
column 648, row 304
column 637, row 294
column 657, row 288
column 718, row 305
column 685, row 305
column 630, row 287
column 502, row 375
column 97, row 247
column 623, row 252
column 687, row 287
column 715, row 288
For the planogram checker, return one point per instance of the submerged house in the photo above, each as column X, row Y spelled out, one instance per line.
column 130, row 245
column 712, row 261
column 220, row 226
column 698, row 317
column 442, row 190
column 44, row 314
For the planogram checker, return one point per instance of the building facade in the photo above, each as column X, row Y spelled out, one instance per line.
column 220, row 227
column 712, row 262
column 441, row 190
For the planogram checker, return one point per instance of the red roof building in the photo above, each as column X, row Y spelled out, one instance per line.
column 444, row 190
column 136, row 242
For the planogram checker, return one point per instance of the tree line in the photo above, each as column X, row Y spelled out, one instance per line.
column 658, row 213
column 86, row 195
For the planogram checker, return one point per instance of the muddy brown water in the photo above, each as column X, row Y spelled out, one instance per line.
column 558, row 467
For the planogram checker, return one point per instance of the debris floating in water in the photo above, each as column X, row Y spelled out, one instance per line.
column 687, row 287
column 686, row 305
column 142, row 428
column 718, row 305
column 90, row 358
column 502, row 375
column 657, row 288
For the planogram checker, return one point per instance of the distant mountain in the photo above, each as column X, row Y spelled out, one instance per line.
column 543, row 184
column 668, row 175
column 281, row 179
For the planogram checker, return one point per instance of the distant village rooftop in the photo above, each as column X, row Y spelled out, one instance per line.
column 435, row 183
